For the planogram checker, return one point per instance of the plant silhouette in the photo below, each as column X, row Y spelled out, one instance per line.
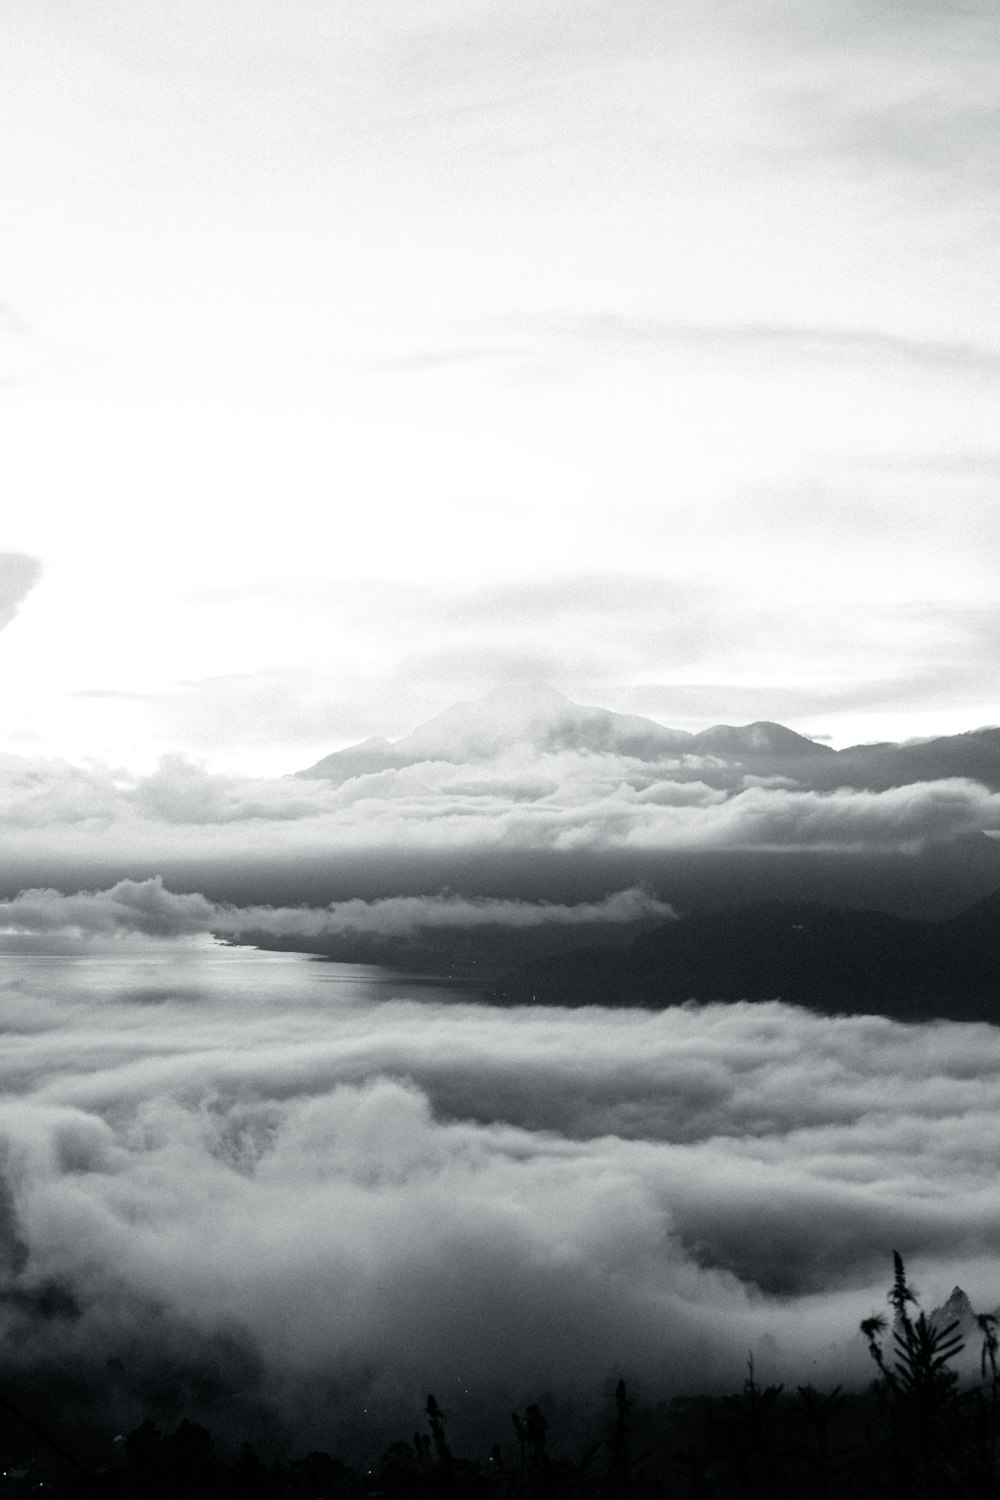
column 917, row 1433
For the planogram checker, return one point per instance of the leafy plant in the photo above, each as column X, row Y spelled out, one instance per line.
column 919, row 1397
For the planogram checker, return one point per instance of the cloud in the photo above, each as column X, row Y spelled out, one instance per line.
column 54, row 793
column 180, row 791
column 518, row 802
column 375, row 1196
column 407, row 916
column 130, row 906
column 598, row 810
column 18, row 576
column 440, row 933
column 798, row 344
column 931, row 134
column 905, row 817
column 51, row 794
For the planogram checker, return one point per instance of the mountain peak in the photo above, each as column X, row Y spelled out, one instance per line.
column 958, row 1309
column 764, row 738
column 507, row 714
column 529, row 714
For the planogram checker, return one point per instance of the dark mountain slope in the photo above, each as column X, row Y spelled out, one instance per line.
column 975, row 755
column 763, row 741
column 808, row 954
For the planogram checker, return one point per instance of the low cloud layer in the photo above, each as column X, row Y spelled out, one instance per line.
column 336, row 1197
column 146, row 908
column 521, row 800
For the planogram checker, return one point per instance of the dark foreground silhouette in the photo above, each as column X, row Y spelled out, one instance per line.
column 916, row 1434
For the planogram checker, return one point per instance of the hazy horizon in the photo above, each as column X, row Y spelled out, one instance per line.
column 536, row 385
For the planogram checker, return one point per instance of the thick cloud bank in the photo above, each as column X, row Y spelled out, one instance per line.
column 256, row 1181
column 561, row 801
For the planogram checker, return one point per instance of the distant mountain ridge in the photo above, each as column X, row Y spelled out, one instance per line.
column 761, row 740
column 483, row 729
column 548, row 722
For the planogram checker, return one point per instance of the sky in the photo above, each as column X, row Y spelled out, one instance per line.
column 355, row 361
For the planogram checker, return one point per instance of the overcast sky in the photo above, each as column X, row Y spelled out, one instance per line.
column 357, row 358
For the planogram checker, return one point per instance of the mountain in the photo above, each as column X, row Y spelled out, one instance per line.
column 375, row 754
column 876, row 768
column 956, row 1310
column 535, row 716
column 544, row 721
column 825, row 958
column 761, row 741
column 547, row 722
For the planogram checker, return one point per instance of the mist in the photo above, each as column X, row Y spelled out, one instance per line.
column 257, row 1188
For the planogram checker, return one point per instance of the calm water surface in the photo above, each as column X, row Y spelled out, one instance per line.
column 200, row 967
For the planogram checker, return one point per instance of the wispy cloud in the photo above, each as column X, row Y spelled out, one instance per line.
column 797, row 344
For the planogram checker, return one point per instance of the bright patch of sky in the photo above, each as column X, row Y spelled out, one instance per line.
column 358, row 359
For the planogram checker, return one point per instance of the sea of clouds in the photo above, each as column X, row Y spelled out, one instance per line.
column 521, row 800
column 259, row 1189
